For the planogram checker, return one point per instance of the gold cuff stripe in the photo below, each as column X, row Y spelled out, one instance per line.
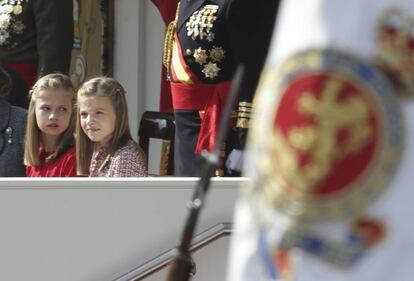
column 241, row 114
column 245, row 106
column 245, row 103
column 246, row 109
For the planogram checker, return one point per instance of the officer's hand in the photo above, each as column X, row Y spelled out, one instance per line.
column 234, row 161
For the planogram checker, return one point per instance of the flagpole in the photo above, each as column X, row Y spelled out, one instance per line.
column 183, row 267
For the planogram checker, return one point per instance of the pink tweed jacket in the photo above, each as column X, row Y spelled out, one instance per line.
column 127, row 161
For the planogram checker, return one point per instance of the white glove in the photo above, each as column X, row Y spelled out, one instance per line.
column 234, row 161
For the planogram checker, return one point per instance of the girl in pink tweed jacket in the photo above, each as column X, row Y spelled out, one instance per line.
column 103, row 139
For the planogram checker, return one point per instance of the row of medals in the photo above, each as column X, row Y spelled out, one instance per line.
column 199, row 27
column 8, row 24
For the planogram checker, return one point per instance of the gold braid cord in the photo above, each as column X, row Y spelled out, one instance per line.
column 168, row 42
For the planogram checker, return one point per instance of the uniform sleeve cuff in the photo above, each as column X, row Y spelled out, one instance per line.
column 244, row 114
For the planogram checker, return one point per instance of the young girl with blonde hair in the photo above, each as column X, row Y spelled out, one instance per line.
column 104, row 145
column 49, row 150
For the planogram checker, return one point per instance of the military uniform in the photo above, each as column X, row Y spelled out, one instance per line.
column 203, row 47
column 36, row 37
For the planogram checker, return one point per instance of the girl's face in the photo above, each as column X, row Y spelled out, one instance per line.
column 97, row 119
column 53, row 110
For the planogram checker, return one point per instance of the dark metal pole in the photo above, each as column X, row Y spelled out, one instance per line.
column 182, row 267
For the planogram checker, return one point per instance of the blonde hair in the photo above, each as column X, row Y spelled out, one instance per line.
column 112, row 89
column 52, row 81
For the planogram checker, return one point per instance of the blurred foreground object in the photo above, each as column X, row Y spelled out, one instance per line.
column 330, row 192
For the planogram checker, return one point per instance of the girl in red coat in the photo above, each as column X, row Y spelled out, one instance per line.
column 49, row 150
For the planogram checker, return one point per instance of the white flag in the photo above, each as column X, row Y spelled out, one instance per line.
column 331, row 148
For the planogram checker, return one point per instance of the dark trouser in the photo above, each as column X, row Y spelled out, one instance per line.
column 187, row 128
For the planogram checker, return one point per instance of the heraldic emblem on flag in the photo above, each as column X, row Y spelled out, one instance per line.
column 331, row 138
column 334, row 139
column 333, row 143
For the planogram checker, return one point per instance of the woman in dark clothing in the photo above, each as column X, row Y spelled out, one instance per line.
column 12, row 128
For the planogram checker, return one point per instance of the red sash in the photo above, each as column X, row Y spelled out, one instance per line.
column 27, row 71
column 208, row 97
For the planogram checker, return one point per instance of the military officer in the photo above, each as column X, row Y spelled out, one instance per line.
column 203, row 46
column 36, row 38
